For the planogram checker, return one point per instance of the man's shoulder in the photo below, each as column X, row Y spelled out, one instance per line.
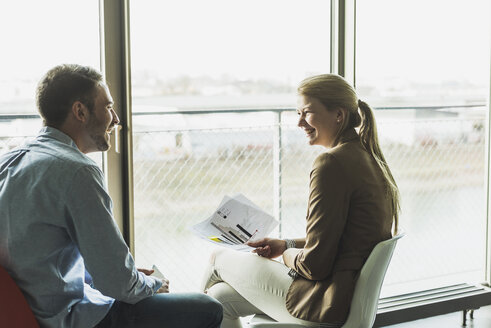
column 48, row 159
column 59, row 152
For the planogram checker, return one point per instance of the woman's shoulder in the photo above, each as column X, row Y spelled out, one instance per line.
column 328, row 163
column 324, row 159
column 346, row 158
column 341, row 152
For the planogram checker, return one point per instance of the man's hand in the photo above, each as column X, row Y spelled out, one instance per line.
column 268, row 247
column 147, row 272
column 165, row 286
column 165, row 281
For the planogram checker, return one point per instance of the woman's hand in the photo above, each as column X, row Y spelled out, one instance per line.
column 268, row 247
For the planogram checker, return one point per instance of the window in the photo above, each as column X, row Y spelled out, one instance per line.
column 210, row 82
column 213, row 92
column 427, row 64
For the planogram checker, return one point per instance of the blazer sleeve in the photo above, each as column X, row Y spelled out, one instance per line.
column 328, row 207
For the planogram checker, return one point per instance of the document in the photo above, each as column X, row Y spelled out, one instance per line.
column 236, row 221
column 156, row 272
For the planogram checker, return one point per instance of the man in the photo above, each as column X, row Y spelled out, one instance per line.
column 56, row 221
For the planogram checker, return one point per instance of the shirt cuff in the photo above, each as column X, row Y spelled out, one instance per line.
column 292, row 273
column 290, row 243
column 158, row 284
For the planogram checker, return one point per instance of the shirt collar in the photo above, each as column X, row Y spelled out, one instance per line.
column 50, row 132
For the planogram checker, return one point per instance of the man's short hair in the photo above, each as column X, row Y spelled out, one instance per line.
column 61, row 87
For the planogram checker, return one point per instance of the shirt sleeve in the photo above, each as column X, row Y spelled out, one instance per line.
column 91, row 226
column 328, row 208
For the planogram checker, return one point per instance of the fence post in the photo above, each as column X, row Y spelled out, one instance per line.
column 277, row 157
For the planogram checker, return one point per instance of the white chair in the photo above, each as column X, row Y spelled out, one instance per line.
column 367, row 291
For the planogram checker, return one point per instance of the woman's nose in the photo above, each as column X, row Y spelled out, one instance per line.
column 301, row 121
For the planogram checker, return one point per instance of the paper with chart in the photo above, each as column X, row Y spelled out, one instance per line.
column 236, row 221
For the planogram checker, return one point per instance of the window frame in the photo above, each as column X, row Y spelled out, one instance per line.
column 115, row 65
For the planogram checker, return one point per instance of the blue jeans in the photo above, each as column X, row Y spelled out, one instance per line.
column 187, row 310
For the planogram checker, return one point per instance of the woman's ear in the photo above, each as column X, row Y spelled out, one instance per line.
column 340, row 115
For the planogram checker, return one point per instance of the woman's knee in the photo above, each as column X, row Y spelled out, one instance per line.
column 221, row 291
column 234, row 304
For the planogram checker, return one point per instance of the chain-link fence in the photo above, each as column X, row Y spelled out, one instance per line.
column 9, row 143
column 181, row 174
column 438, row 161
column 15, row 130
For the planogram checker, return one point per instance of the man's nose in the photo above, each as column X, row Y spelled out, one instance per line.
column 115, row 117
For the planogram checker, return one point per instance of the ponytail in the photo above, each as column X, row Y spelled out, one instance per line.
column 369, row 140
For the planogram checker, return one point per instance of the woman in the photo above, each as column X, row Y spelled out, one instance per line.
column 353, row 205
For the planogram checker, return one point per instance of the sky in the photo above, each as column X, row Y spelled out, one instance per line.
column 37, row 35
column 254, row 38
column 426, row 41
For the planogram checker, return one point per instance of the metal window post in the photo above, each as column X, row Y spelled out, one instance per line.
column 343, row 37
column 115, row 62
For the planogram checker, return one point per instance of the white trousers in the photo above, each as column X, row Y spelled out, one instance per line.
column 246, row 284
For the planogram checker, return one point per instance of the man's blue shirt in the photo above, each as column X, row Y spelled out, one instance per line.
column 56, row 222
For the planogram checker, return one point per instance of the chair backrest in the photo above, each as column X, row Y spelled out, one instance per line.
column 14, row 310
column 367, row 290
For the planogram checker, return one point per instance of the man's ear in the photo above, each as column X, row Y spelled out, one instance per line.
column 80, row 111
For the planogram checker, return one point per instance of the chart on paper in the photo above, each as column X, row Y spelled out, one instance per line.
column 236, row 221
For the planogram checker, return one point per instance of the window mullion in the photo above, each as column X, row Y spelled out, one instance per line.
column 488, row 184
column 343, row 38
column 115, row 66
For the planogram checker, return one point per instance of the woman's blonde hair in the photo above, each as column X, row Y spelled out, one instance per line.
column 335, row 92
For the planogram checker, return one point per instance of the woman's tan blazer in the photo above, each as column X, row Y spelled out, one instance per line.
column 348, row 214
